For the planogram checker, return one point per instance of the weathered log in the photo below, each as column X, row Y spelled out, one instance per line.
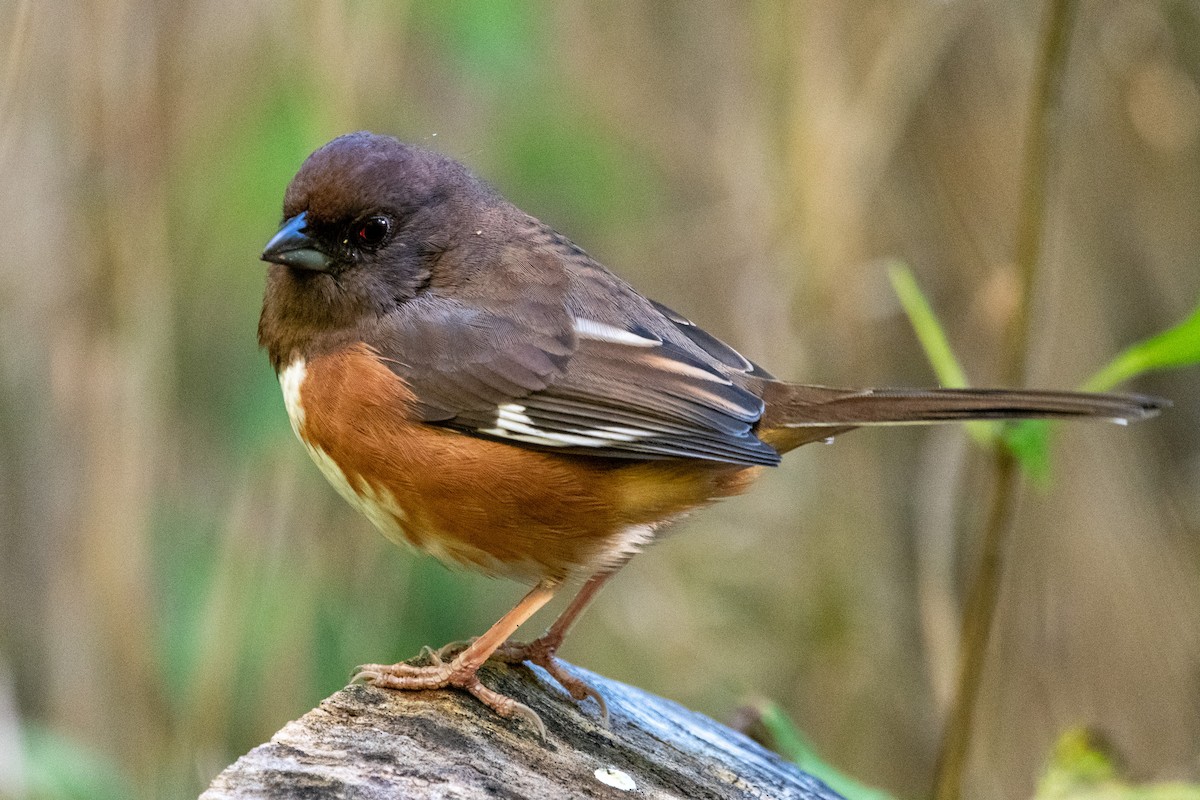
column 367, row 743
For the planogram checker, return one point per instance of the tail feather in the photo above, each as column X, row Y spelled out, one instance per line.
column 797, row 413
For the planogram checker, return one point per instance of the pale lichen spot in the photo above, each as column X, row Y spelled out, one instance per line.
column 611, row 776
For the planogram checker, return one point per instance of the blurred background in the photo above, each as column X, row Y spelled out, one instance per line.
column 177, row 581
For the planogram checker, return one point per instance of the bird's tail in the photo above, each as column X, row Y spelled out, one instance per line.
column 796, row 413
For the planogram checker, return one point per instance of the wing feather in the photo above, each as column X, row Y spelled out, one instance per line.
column 520, row 363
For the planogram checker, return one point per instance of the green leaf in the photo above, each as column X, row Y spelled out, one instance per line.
column 929, row 331
column 795, row 747
column 1173, row 348
column 1082, row 768
column 1029, row 442
column 936, row 345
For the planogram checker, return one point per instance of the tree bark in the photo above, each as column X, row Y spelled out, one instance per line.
column 367, row 743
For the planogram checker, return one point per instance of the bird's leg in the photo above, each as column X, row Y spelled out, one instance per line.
column 461, row 671
column 541, row 651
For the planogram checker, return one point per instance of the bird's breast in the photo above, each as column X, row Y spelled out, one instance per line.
column 375, row 503
column 487, row 505
column 497, row 507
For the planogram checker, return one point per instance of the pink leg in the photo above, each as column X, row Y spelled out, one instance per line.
column 461, row 671
column 541, row 651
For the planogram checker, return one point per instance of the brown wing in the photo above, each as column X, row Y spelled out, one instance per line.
column 521, row 365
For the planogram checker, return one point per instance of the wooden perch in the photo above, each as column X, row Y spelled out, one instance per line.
column 368, row 743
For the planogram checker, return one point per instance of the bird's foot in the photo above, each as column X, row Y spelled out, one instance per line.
column 542, row 651
column 438, row 675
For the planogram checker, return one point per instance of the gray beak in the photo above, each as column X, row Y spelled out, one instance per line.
column 292, row 247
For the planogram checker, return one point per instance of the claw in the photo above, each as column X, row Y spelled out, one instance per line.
column 578, row 689
column 441, row 674
column 504, row 705
column 461, row 672
column 542, row 652
column 374, row 673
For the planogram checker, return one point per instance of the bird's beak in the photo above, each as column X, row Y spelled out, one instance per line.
column 293, row 247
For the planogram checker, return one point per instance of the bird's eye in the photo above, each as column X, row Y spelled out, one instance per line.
column 372, row 231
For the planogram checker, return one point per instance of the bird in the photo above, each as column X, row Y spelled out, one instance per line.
column 482, row 389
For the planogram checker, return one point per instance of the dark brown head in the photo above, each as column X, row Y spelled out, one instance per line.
column 365, row 221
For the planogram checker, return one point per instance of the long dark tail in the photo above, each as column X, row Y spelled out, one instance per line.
column 796, row 414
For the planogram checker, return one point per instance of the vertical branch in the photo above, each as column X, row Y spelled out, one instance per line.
column 1043, row 123
column 980, row 609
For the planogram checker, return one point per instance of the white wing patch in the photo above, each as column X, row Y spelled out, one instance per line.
column 513, row 423
column 681, row 368
column 603, row 332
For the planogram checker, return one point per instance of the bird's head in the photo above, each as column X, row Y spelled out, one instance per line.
column 366, row 221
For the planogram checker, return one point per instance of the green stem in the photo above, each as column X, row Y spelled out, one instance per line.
column 980, row 611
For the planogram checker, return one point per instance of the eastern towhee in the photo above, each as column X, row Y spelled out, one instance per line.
column 481, row 388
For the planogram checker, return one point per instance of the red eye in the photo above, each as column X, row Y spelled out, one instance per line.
column 372, row 231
